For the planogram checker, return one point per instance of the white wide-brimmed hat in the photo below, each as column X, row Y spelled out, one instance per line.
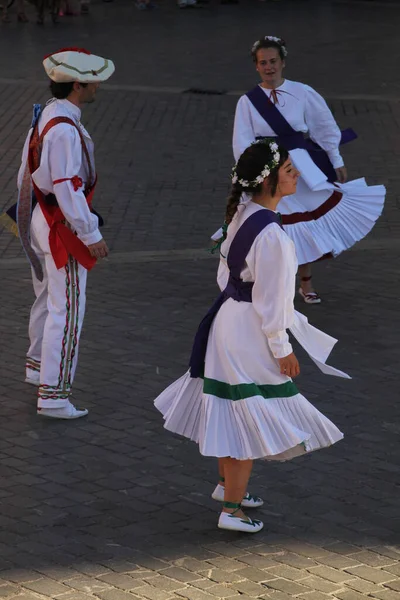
column 77, row 64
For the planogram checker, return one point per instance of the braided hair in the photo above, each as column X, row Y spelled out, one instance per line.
column 250, row 165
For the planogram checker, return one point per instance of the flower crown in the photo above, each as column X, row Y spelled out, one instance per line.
column 266, row 170
column 271, row 38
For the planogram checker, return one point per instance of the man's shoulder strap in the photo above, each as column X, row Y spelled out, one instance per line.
column 36, row 142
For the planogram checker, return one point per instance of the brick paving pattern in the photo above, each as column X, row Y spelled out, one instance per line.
column 113, row 507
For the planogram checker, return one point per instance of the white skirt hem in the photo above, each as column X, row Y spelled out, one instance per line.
column 252, row 428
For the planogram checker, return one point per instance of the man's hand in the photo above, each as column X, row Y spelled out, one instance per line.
column 99, row 250
column 341, row 174
column 289, row 365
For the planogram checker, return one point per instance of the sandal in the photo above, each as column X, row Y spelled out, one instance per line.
column 309, row 297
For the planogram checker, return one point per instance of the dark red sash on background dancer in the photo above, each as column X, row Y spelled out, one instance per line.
column 290, row 139
column 236, row 288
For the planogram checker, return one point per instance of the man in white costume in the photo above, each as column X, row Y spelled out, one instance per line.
column 61, row 235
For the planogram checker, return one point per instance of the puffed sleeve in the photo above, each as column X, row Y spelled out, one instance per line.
column 243, row 129
column 62, row 159
column 273, row 264
column 322, row 126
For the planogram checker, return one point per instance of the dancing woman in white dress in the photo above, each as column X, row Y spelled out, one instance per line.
column 326, row 215
column 238, row 401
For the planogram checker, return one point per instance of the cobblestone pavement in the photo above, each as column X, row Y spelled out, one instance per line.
column 113, row 507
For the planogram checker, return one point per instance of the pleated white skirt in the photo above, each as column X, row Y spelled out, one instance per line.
column 340, row 227
column 243, row 408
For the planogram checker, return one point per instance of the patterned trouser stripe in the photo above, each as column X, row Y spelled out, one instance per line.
column 33, row 364
column 70, row 337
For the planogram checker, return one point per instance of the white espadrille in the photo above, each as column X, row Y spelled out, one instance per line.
column 66, row 412
column 249, row 501
column 233, row 523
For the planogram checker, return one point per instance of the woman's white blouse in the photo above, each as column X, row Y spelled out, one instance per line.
column 303, row 108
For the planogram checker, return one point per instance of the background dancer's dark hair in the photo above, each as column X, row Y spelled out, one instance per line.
column 249, row 166
column 268, row 43
column 62, row 90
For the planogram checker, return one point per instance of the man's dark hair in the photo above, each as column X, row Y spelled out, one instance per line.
column 62, row 90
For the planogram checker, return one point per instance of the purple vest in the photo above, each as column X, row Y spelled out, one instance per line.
column 290, row 139
column 236, row 288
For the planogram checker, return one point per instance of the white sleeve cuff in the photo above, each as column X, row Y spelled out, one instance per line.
column 279, row 344
column 91, row 238
column 335, row 158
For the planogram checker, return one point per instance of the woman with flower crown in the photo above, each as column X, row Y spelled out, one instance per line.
column 326, row 215
column 238, row 401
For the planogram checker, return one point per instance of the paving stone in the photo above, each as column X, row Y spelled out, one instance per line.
column 373, row 559
column 254, row 574
column 315, row 596
column 394, row 568
column 8, row 590
column 371, row 574
column 203, row 584
column 337, row 561
column 87, row 584
column 259, row 562
column 393, row 585
column 20, row 575
column 191, row 564
column 287, row 572
column 152, row 593
column 330, row 574
column 294, row 560
column 288, row 587
column 165, row 583
column 362, row 586
column 123, row 581
column 194, row 594
column 248, row 587
column 349, row 595
column 221, row 591
column 113, row 594
column 386, row 595
column 220, row 576
column 321, row 585
column 47, row 587
column 226, row 564
column 180, row 574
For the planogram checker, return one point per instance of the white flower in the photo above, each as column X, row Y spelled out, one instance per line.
column 274, row 146
column 277, row 157
column 278, row 41
column 244, row 183
column 234, row 178
column 259, row 179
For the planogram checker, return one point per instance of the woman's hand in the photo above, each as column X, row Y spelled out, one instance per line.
column 341, row 174
column 289, row 365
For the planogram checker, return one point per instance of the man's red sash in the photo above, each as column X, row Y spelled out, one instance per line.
column 63, row 241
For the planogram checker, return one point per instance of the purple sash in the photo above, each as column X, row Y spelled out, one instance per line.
column 236, row 288
column 291, row 139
